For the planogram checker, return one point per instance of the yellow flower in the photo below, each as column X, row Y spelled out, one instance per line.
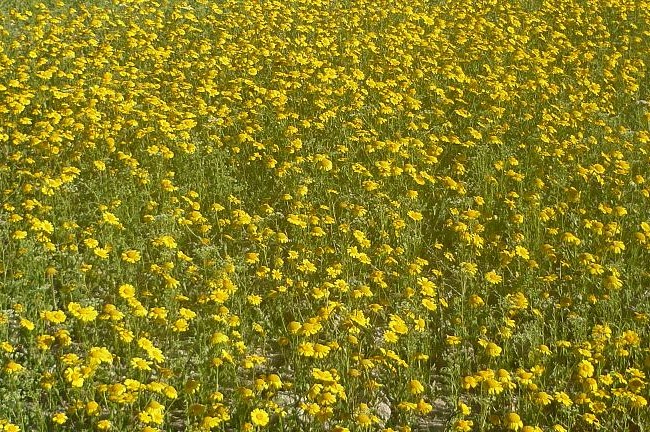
column 131, row 256
column 110, row 219
column 87, row 314
column 306, row 349
column 159, row 313
column 424, row 407
column 140, row 363
column 612, row 282
column 476, row 300
column 363, row 419
column 259, row 417
column 518, row 300
column 415, row 387
column 55, row 316
column 468, row 268
column 492, row 277
column 19, row 235
column 543, row 398
column 252, row 257
column 13, row 367
column 563, row 398
column 390, row 336
column 181, row 325
column 170, row 392
column 59, row 418
column 429, row 304
column 522, row 252
column 639, row 401
column 166, row 241
column 513, row 421
column 100, row 355
column 585, row 369
column 591, row 419
column 493, row 386
column 104, row 425
column 617, row 246
column 92, row 408
column 126, row 291
column 469, row 382
column 464, row 409
column 463, row 425
column 397, row 324
column 101, row 252
column 321, row 351
column 91, row 243
column 26, row 324
column 74, row 376
column 10, row 427
column 99, row 165
column 492, row 349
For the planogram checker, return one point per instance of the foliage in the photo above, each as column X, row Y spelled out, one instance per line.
column 324, row 215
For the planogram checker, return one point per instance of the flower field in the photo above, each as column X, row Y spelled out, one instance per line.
column 325, row 215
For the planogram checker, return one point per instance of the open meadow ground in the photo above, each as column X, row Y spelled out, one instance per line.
column 325, row 215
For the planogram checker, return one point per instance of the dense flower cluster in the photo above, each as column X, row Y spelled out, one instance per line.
column 325, row 215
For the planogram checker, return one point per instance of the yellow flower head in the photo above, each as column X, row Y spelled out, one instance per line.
column 259, row 417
